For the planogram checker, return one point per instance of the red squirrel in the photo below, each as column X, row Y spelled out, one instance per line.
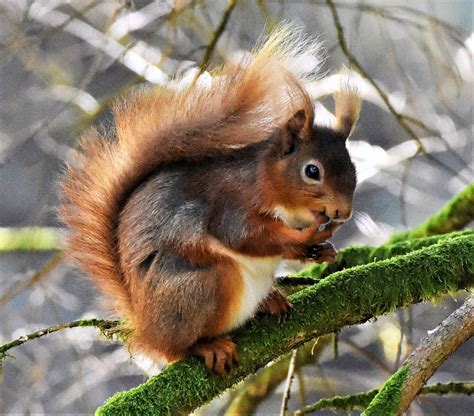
column 181, row 213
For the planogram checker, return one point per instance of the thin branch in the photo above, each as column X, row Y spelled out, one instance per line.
column 33, row 280
column 360, row 401
column 401, row 118
column 455, row 215
column 29, row 239
column 289, row 382
column 254, row 390
column 205, row 61
column 105, row 326
column 401, row 389
column 370, row 357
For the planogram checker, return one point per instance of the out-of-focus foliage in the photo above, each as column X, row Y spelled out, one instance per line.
column 63, row 62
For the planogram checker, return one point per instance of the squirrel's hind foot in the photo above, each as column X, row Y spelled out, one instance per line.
column 219, row 353
column 275, row 304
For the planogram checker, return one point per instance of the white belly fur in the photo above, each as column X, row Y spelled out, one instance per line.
column 258, row 277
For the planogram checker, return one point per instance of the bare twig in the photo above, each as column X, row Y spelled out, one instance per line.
column 370, row 357
column 361, row 400
column 33, row 280
column 256, row 389
column 289, row 382
column 216, row 35
column 401, row 118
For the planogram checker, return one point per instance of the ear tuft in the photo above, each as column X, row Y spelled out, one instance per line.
column 291, row 135
column 297, row 122
column 348, row 105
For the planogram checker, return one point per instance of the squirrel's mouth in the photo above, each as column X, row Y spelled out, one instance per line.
column 322, row 219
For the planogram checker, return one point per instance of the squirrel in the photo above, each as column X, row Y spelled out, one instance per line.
column 181, row 213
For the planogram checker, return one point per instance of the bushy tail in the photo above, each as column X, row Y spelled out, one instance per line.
column 239, row 105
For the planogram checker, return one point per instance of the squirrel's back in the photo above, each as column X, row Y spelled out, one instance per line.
column 239, row 105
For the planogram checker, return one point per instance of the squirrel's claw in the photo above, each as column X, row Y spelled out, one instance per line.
column 219, row 354
column 276, row 304
column 320, row 252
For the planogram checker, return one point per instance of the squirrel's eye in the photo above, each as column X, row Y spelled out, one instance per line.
column 312, row 171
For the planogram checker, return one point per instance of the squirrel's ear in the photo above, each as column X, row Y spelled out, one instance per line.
column 347, row 109
column 294, row 126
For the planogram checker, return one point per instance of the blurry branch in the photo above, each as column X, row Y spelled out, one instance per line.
column 367, row 355
column 255, row 390
column 216, row 35
column 385, row 13
column 108, row 328
column 455, row 215
column 289, row 381
column 345, row 298
column 402, row 119
column 29, row 239
column 360, row 401
column 33, row 280
column 404, row 185
column 84, row 31
column 401, row 388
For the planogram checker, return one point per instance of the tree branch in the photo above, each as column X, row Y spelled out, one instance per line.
column 360, row 401
column 106, row 327
column 216, row 35
column 345, row 298
column 360, row 255
column 33, row 280
column 455, row 215
column 289, row 382
column 255, row 390
column 401, row 388
column 29, row 238
column 401, row 118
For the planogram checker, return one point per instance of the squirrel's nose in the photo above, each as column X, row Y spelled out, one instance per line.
column 340, row 214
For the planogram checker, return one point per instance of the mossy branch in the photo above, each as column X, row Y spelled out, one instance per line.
column 402, row 387
column 29, row 239
column 108, row 328
column 360, row 401
column 455, row 215
column 345, row 298
column 359, row 255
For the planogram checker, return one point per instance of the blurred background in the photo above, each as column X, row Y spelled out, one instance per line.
column 63, row 62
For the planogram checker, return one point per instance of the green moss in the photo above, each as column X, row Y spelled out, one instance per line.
column 360, row 401
column 455, row 215
column 387, row 400
column 355, row 256
column 29, row 238
column 345, row 298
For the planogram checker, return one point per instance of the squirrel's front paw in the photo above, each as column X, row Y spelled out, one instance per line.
column 320, row 252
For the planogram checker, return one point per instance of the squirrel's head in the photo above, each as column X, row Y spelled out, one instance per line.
column 313, row 176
